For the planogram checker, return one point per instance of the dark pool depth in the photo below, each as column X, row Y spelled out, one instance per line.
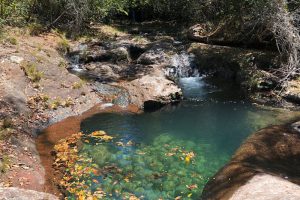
column 174, row 151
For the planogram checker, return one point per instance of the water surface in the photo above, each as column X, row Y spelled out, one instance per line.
column 174, row 151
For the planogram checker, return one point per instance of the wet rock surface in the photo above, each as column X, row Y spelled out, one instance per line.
column 274, row 151
column 119, row 95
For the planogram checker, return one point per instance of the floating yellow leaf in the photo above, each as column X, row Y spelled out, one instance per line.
column 98, row 133
column 106, row 138
column 187, row 160
column 95, row 181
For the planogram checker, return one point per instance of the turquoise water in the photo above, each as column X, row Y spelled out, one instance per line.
column 174, row 151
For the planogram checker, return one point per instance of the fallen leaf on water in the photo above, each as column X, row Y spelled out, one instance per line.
column 129, row 143
column 95, row 181
column 170, row 154
column 121, row 144
column 98, row 133
column 106, row 138
column 133, row 198
column 141, row 153
column 191, row 187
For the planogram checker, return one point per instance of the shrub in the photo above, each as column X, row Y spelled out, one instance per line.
column 62, row 64
column 31, row 72
column 35, row 29
column 4, row 163
column 7, row 123
column 55, row 104
column 63, row 46
column 12, row 40
column 78, row 85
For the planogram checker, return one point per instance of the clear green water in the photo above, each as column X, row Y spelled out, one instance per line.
column 152, row 163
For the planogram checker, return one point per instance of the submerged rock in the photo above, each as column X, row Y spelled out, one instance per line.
column 119, row 95
column 274, row 150
column 22, row 194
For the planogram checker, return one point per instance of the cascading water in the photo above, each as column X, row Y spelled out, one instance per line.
column 74, row 60
column 182, row 65
column 184, row 70
column 75, row 66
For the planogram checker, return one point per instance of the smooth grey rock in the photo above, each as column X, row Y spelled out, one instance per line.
column 153, row 57
column 296, row 126
column 120, row 54
column 16, row 59
column 267, row 187
column 152, row 91
column 13, row 193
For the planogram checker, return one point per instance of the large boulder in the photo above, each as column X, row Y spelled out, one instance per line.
column 153, row 57
column 231, row 34
column 267, row 187
column 150, row 92
column 103, row 71
column 158, row 52
column 12, row 193
column 249, row 68
column 274, row 150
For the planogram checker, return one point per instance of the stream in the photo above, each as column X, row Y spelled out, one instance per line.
column 171, row 153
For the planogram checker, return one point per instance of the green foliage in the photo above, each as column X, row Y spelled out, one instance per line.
column 35, row 29
column 62, row 64
column 7, row 123
column 15, row 12
column 74, row 11
column 4, row 163
column 6, row 128
column 63, row 46
column 32, row 72
column 78, row 85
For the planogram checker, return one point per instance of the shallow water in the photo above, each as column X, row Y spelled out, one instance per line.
column 174, row 151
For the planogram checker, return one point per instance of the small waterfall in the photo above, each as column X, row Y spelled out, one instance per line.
column 184, row 70
column 75, row 65
column 74, row 60
column 182, row 65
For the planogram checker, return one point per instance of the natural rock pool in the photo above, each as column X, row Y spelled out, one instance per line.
column 170, row 153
